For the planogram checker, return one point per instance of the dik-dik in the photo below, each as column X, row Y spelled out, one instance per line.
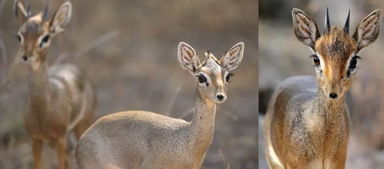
column 146, row 140
column 61, row 99
column 307, row 122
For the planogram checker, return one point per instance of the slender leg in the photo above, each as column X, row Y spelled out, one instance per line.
column 37, row 148
column 339, row 162
column 61, row 148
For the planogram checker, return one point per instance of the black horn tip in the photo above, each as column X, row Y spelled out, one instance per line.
column 45, row 12
column 346, row 26
column 327, row 22
column 29, row 10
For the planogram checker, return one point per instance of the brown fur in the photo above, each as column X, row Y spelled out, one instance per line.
column 335, row 48
column 305, row 128
column 61, row 99
column 146, row 140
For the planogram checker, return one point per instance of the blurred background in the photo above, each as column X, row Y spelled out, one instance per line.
column 282, row 55
column 128, row 49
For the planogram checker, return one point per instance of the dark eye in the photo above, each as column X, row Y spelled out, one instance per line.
column 353, row 63
column 44, row 40
column 228, row 77
column 202, row 78
column 352, row 66
column 316, row 60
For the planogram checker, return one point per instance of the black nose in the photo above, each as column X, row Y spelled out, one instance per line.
column 333, row 95
column 25, row 58
column 220, row 97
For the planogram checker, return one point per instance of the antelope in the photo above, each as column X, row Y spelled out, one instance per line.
column 307, row 121
column 61, row 99
column 146, row 140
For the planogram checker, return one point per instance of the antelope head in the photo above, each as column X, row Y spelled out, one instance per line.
column 335, row 52
column 36, row 31
column 212, row 76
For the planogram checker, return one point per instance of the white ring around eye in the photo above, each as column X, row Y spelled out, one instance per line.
column 21, row 38
column 225, row 76
column 349, row 63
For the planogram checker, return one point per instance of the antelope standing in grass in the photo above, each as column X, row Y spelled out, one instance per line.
column 60, row 97
column 307, row 123
column 146, row 140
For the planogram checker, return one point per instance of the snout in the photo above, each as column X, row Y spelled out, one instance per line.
column 220, row 97
column 333, row 95
column 334, row 92
column 25, row 57
column 28, row 58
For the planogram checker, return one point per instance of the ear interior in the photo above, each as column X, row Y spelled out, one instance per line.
column 368, row 29
column 304, row 28
column 233, row 57
column 20, row 12
column 61, row 17
column 187, row 57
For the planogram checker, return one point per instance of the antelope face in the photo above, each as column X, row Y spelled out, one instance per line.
column 36, row 32
column 212, row 76
column 34, row 38
column 335, row 53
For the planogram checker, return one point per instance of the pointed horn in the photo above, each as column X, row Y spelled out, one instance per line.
column 15, row 8
column 346, row 26
column 207, row 53
column 327, row 22
column 45, row 13
column 29, row 10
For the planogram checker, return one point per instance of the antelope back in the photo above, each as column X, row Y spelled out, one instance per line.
column 335, row 52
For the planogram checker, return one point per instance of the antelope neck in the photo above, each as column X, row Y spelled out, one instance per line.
column 39, row 85
column 202, row 126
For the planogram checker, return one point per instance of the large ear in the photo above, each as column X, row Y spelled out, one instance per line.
column 233, row 57
column 368, row 30
column 305, row 28
column 61, row 17
column 187, row 57
column 20, row 12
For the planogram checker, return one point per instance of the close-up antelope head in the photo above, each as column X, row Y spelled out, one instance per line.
column 36, row 31
column 213, row 75
column 335, row 52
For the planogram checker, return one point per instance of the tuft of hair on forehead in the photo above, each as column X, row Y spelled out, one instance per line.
column 336, row 44
column 209, row 57
column 212, row 64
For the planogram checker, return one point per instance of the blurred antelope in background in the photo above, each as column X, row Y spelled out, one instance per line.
column 307, row 122
column 146, row 140
column 61, row 99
